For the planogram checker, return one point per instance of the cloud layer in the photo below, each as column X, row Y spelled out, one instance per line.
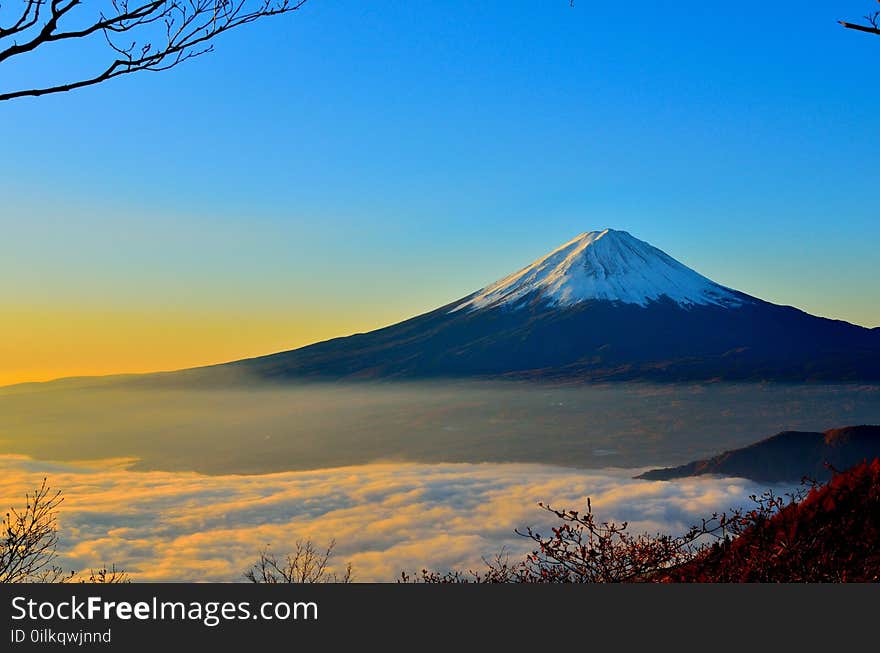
column 183, row 526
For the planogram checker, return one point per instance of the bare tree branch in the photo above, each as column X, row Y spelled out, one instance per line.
column 861, row 28
column 29, row 17
column 184, row 30
column 105, row 575
column 873, row 26
column 29, row 539
column 307, row 564
column 29, row 543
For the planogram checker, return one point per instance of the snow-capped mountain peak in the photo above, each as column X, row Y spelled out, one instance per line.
column 605, row 265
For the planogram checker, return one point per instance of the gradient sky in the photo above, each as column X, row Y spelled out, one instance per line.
column 358, row 163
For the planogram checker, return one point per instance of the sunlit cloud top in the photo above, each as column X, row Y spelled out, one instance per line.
column 178, row 526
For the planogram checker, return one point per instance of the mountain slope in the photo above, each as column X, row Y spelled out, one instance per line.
column 787, row 456
column 830, row 536
column 604, row 306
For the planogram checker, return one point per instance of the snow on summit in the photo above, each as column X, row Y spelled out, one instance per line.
column 604, row 265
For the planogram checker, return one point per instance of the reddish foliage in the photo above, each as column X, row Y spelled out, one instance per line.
column 829, row 534
column 832, row 535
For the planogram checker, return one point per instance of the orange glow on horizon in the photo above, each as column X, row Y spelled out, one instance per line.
column 47, row 344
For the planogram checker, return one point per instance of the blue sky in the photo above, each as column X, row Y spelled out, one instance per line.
column 356, row 163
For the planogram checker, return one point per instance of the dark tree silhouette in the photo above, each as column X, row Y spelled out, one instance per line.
column 29, row 539
column 582, row 549
column 307, row 564
column 871, row 25
column 823, row 533
column 29, row 542
column 150, row 35
column 107, row 575
column 742, row 544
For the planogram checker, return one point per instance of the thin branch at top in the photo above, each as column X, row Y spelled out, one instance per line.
column 873, row 26
column 183, row 29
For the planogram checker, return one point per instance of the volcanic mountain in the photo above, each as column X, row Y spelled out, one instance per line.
column 603, row 306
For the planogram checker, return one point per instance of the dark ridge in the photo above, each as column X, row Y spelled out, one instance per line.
column 786, row 456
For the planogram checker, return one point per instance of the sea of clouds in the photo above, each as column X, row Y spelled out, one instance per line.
column 185, row 526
